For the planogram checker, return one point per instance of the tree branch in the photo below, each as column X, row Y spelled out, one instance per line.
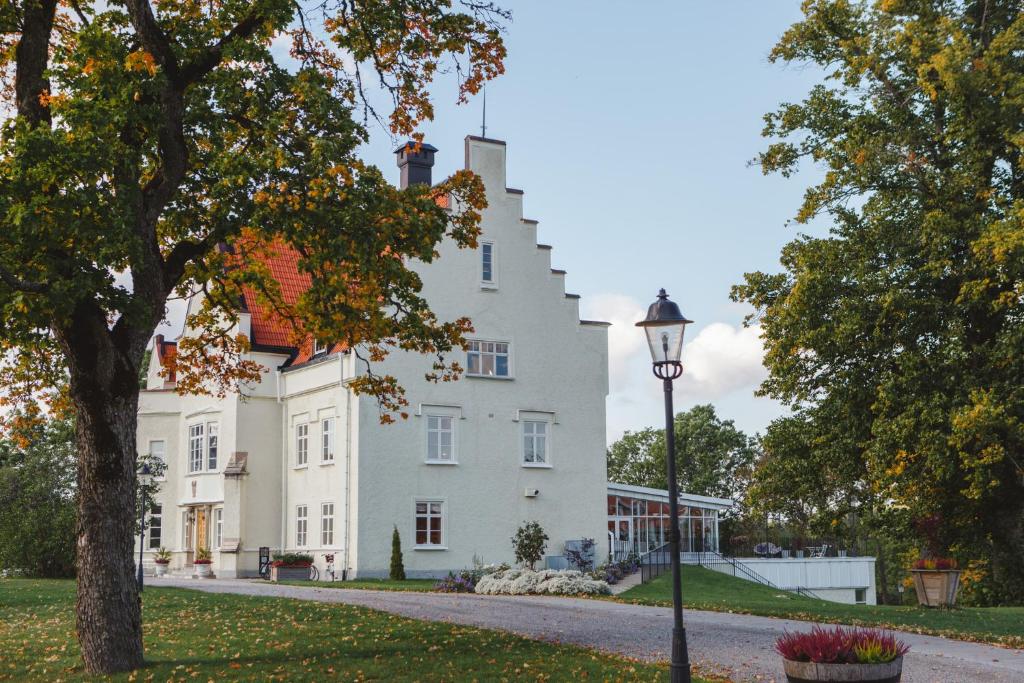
column 14, row 282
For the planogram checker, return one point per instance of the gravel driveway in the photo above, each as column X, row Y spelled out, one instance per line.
column 735, row 645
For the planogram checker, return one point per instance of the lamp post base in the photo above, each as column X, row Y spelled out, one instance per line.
column 680, row 666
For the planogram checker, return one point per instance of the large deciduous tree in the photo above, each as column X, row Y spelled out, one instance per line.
column 156, row 148
column 713, row 456
column 898, row 336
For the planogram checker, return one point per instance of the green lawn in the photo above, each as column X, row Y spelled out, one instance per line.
column 711, row 590
column 192, row 636
column 421, row 585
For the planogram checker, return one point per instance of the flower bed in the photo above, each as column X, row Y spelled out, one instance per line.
column 545, row 582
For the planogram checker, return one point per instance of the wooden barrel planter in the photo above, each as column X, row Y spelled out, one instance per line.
column 936, row 587
column 813, row 672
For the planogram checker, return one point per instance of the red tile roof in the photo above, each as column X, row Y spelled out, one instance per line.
column 269, row 329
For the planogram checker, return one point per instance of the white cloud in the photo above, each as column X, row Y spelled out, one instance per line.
column 625, row 342
column 721, row 359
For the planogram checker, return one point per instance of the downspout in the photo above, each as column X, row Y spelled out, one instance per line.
column 348, row 473
column 284, row 465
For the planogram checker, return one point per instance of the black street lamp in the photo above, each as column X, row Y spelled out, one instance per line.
column 664, row 326
column 145, row 475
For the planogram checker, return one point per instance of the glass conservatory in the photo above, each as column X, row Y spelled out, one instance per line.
column 638, row 520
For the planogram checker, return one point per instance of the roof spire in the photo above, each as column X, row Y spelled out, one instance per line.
column 483, row 123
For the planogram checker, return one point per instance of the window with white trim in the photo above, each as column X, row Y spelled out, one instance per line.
column 429, row 523
column 158, row 451
column 535, row 442
column 301, row 525
column 326, row 525
column 301, row 444
column 218, row 527
column 319, row 347
column 327, row 440
column 440, row 438
column 155, row 525
column 488, row 359
column 487, row 275
column 195, row 447
column 212, row 432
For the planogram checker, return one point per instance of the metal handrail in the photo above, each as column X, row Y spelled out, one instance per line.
column 750, row 574
column 718, row 559
column 655, row 562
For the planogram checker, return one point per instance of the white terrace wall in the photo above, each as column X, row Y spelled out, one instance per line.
column 831, row 578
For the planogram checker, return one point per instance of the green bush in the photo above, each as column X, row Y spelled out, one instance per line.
column 529, row 543
column 397, row 568
column 38, row 501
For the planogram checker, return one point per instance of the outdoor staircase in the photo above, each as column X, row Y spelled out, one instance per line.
column 658, row 561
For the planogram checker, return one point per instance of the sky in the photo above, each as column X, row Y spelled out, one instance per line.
column 631, row 133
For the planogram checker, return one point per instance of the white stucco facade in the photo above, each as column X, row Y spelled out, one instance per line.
column 521, row 439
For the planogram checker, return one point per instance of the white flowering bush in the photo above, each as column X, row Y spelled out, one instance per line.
column 544, row 582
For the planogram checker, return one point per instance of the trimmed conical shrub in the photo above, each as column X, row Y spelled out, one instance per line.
column 397, row 568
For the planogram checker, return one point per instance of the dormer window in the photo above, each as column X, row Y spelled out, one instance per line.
column 319, row 347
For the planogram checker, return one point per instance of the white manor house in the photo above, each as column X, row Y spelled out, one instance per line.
column 300, row 463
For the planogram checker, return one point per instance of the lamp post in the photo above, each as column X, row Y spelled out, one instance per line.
column 145, row 475
column 664, row 327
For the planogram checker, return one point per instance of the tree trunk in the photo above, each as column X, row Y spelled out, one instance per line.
column 1007, row 532
column 105, row 392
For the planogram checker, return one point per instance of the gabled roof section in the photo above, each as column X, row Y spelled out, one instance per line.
column 269, row 330
column 165, row 354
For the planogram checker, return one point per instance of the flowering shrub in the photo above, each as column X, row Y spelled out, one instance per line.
column 203, row 556
column 935, row 563
column 292, row 560
column 840, row 645
column 456, row 584
column 545, row 582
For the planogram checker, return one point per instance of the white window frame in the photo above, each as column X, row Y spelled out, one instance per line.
column 302, row 444
column 212, row 446
column 319, row 347
column 327, row 441
column 327, row 524
column 484, row 348
column 441, row 516
column 156, row 515
column 218, row 527
column 431, row 458
column 528, row 433
column 162, row 457
column 301, row 525
column 488, row 249
column 196, row 450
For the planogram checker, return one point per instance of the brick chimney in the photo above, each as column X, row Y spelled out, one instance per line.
column 415, row 165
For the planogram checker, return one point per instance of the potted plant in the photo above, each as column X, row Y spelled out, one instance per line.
column 936, row 581
column 202, row 563
column 851, row 655
column 936, row 578
column 163, row 560
column 290, row 567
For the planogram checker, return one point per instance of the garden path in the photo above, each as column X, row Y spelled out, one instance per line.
column 735, row 645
